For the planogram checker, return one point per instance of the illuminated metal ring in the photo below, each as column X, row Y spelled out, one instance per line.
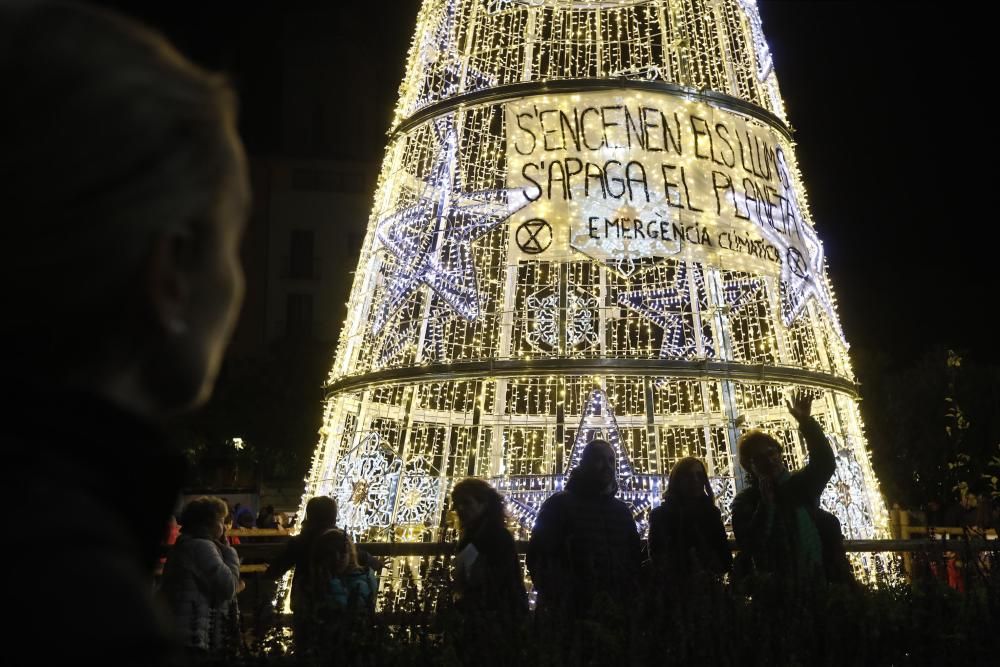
column 513, row 91
column 473, row 370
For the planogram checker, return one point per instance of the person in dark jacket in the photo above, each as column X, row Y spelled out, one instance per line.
column 487, row 575
column 321, row 516
column 584, row 548
column 340, row 599
column 125, row 194
column 488, row 586
column 686, row 533
column 836, row 566
column 774, row 518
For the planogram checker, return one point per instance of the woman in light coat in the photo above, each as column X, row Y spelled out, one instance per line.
column 200, row 581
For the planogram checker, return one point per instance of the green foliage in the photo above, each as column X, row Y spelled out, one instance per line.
column 932, row 424
column 273, row 400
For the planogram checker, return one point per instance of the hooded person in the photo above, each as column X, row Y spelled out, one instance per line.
column 585, row 545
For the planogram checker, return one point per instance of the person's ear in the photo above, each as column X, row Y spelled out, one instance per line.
column 169, row 280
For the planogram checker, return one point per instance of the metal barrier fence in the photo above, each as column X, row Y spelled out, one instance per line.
column 416, row 576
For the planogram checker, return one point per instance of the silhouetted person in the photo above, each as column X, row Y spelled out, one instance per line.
column 123, row 196
column 200, row 581
column 686, row 533
column 487, row 573
column 774, row 518
column 836, row 565
column 243, row 519
column 584, row 548
column 487, row 583
column 321, row 516
column 266, row 518
column 341, row 599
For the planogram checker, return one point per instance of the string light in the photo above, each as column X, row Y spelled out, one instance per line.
column 649, row 246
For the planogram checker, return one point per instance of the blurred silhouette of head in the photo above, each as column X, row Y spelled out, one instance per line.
column 124, row 193
column 597, row 462
column 760, row 455
column 321, row 513
column 688, row 480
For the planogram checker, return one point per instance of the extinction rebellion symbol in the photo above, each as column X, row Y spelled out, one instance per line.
column 796, row 263
column 533, row 236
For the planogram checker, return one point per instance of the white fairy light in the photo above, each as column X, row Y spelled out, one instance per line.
column 644, row 230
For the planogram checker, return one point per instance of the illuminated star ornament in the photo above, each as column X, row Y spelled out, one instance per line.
column 598, row 421
column 802, row 258
column 638, row 491
column 802, row 277
column 666, row 307
column 801, row 268
column 431, row 239
column 765, row 63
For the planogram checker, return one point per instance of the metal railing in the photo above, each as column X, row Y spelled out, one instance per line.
column 256, row 555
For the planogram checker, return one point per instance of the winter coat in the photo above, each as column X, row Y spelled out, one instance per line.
column 297, row 554
column 491, row 580
column 200, row 581
column 97, row 487
column 688, row 536
column 350, row 591
column 584, row 544
column 771, row 539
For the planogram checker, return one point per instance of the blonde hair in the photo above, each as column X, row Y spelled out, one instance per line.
column 201, row 513
column 110, row 137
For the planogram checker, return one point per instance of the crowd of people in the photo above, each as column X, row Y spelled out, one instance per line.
column 585, row 554
column 127, row 154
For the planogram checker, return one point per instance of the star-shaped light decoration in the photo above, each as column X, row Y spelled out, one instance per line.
column 431, row 238
column 764, row 61
column 845, row 496
column 802, row 259
column 598, row 420
column 665, row 307
column 802, row 276
column 638, row 491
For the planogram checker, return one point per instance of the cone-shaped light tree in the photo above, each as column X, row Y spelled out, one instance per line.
column 589, row 220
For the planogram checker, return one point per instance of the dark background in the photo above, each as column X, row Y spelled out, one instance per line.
column 887, row 103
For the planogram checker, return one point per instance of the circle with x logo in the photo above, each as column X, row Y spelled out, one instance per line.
column 797, row 263
column 533, row 236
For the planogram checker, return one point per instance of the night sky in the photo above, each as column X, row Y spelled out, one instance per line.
column 888, row 115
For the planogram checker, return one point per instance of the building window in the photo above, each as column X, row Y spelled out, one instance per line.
column 301, row 259
column 299, row 315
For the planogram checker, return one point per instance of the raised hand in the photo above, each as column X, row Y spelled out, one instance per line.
column 801, row 404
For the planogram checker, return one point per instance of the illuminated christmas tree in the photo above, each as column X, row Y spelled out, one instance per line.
column 589, row 220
